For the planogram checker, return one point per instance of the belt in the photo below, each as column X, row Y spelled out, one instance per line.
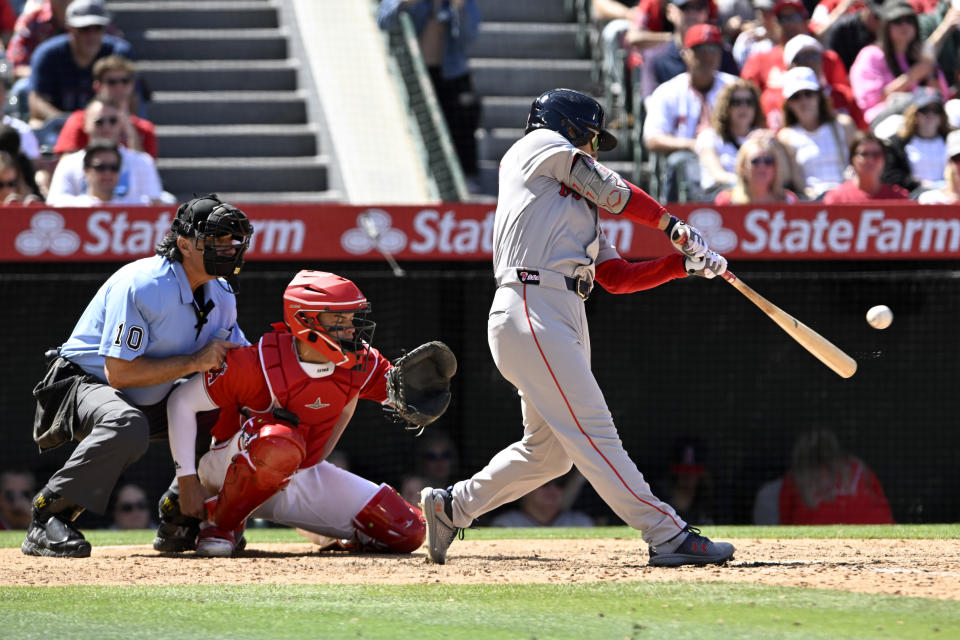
column 580, row 285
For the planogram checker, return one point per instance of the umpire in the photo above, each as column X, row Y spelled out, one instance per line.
column 154, row 321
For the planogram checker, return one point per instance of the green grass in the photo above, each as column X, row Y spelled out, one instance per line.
column 582, row 611
column 422, row 612
column 873, row 532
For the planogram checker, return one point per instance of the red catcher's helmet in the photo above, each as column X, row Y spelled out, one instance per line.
column 314, row 292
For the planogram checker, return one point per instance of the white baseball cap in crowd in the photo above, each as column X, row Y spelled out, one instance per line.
column 799, row 79
column 797, row 44
column 953, row 143
column 87, row 13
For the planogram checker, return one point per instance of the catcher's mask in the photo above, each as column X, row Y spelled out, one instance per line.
column 574, row 115
column 208, row 218
column 311, row 293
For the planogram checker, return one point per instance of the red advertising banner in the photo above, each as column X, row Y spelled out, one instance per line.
column 879, row 231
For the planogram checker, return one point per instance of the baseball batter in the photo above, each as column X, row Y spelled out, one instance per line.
column 548, row 252
column 284, row 403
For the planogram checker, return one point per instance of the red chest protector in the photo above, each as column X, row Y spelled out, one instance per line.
column 318, row 402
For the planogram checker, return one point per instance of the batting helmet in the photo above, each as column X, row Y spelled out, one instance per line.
column 311, row 293
column 207, row 218
column 574, row 115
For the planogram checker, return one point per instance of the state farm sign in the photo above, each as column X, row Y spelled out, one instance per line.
column 327, row 232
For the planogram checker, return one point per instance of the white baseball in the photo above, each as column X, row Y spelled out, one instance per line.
column 880, row 316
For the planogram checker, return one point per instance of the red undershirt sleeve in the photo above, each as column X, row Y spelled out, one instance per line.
column 642, row 208
column 621, row 276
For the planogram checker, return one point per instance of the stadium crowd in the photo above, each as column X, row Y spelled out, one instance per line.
column 840, row 100
column 73, row 132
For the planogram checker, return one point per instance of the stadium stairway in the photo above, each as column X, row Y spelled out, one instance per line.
column 225, row 99
column 523, row 49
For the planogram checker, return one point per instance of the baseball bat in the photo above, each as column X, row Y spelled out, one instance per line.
column 824, row 350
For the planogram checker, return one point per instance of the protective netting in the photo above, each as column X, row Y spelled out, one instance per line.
column 691, row 366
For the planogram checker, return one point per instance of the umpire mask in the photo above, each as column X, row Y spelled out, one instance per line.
column 208, row 218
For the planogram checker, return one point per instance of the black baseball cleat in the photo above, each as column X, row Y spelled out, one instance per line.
column 694, row 550
column 177, row 532
column 50, row 532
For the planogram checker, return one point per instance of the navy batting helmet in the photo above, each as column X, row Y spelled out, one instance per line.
column 574, row 115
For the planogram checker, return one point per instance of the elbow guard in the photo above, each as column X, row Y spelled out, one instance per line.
column 599, row 185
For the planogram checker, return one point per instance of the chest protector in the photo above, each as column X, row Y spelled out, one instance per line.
column 317, row 402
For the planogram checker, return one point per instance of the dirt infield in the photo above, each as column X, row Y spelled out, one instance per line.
column 926, row 568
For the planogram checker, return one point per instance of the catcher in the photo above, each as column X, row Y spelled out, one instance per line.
column 284, row 403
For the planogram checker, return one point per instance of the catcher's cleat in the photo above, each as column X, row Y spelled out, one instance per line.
column 437, row 505
column 55, row 538
column 214, row 542
column 695, row 549
column 177, row 532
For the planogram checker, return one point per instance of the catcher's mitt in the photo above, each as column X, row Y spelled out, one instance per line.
column 418, row 386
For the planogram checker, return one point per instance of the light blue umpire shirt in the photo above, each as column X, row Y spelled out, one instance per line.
column 147, row 309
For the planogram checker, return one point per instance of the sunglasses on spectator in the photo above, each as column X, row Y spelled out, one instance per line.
column 873, row 155
column 800, row 95
column 127, row 507
column 13, row 184
column 116, row 81
column 109, row 120
column 762, row 160
column 91, row 28
column 807, row 56
column 929, row 111
column 903, row 20
column 741, row 102
column 693, row 6
column 787, row 18
column 12, row 496
column 113, row 168
column 437, row 455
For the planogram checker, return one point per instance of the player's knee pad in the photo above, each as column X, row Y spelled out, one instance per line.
column 276, row 451
column 389, row 523
column 269, row 456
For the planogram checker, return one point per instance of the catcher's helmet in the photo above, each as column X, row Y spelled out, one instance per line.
column 313, row 292
column 574, row 115
column 208, row 217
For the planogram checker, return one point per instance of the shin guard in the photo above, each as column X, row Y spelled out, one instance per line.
column 389, row 523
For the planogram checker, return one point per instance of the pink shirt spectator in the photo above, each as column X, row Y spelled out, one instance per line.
column 850, row 193
column 870, row 74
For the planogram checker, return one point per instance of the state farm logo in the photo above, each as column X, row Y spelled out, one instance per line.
column 47, row 233
column 710, row 224
column 374, row 228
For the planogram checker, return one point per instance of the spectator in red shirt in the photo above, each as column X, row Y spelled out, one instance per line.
column 33, row 27
column 114, row 78
column 826, row 485
column 868, row 159
column 766, row 69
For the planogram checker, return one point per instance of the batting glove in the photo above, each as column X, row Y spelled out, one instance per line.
column 687, row 239
column 710, row 265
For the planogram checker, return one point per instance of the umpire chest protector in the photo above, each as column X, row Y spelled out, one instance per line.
column 318, row 402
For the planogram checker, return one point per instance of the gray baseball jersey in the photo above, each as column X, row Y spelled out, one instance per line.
column 544, row 234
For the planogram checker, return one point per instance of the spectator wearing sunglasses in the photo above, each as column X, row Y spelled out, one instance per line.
column 138, row 183
column 101, row 173
column 868, row 158
column 13, row 189
column 767, row 69
column 950, row 192
column 735, row 116
column 917, row 153
column 61, row 80
column 131, row 510
column 884, row 75
column 114, row 78
column 436, row 459
column 16, row 495
column 761, row 171
column 815, row 136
